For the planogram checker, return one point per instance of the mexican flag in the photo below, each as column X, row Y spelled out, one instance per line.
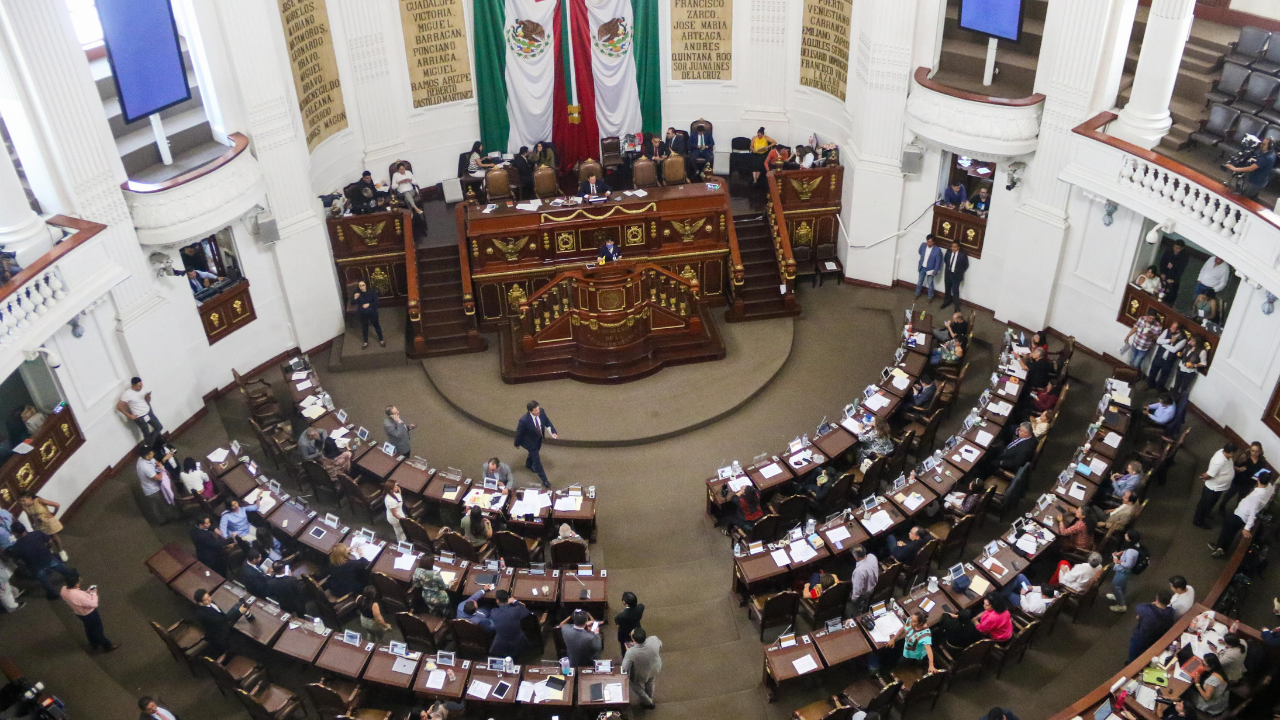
column 569, row 71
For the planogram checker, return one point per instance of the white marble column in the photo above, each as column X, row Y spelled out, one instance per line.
column 1080, row 41
column 382, row 105
column 768, row 43
column 254, row 40
column 880, row 76
column 22, row 231
column 1146, row 118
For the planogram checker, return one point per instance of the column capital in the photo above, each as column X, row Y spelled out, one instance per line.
column 1171, row 9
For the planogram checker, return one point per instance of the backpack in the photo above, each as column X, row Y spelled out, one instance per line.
column 1144, row 559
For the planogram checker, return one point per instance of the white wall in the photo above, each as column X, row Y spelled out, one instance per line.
column 1265, row 8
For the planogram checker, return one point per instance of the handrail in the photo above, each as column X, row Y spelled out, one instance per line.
column 468, row 294
column 923, row 80
column 411, row 269
column 1092, row 129
column 239, row 144
column 786, row 260
column 84, row 230
column 577, row 273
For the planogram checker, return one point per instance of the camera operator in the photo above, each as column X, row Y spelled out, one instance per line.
column 1255, row 168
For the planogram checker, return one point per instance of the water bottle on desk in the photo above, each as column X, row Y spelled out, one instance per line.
column 564, row 666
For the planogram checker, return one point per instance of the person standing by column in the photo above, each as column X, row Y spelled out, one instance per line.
column 136, row 405
column 394, row 502
column 643, row 663
column 397, row 430
column 366, row 301
column 84, row 603
column 929, row 265
column 955, row 263
column 529, row 434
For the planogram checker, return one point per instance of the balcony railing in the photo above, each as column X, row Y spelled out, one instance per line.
column 971, row 123
column 1241, row 231
column 43, row 285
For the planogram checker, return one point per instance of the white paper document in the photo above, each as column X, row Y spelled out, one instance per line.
column 802, row 551
column 1026, row 544
column 876, row 402
column 1077, row 491
column 525, row 693
column 852, row 425
column 613, row 693
column 479, row 689
column 878, row 522
column 913, row 501
column 302, row 375
column 568, row 503
column 218, row 455
column 771, row 470
column 737, row 484
column 984, row 438
column 805, row 664
column 1097, row 466
column 995, row 567
column 1147, row 697
column 314, row 411
column 404, row 666
column 780, row 557
column 339, row 433
column 404, row 562
column 970, row 453
column 435, row 681
column 886, row 627
column 1111, row 440
column 1000, row 408
column 901, row 382
column 839, row 534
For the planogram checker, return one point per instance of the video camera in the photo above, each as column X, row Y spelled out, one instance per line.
column 1245, row 157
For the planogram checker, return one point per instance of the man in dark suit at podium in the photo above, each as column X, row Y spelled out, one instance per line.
column 530, row 431
column 593, row 186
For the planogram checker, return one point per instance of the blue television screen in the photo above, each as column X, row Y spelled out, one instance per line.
column 141, row 39
column 998, row 18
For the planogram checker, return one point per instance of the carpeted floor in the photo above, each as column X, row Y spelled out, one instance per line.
column 654, row 536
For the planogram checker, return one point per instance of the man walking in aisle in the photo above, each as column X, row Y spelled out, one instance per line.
column 84, row 603
column 643, row 663
column 530, row 432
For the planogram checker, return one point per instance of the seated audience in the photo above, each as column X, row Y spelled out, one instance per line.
column 1030, row 599
column 1209, row 691
column 495, row 469
column 876, row 439
column 1148, row 281
column 1078, row 577
column 917, row 647
column 544, row 155
column 905, row 551
column 1130, row 481
column 955, row 328
column 954, row 195
column 1161, row 411
column 195, row 480
column 477, row 163
column 818, row 583
column 370, row 609
column 476, row 528
column 962, row 629
column 347, row 575
column 435, row 592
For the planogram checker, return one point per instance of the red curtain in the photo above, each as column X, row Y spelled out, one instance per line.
column 575, row 142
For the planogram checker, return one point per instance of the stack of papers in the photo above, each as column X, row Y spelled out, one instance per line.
column 613, row 693
column 995, row 567
column 852, row 425
column 805, row 664
column 886, row 627
column 876, row 402
column 1098, row 466
column 313, row 412
column 780, row 557
column 531, row 504
column 1077, row 491
column 435, row 681
column 303, row 385
column 838, row 535
column 569, row 503
column 984, row 438
column 218, row 455
column 479, row 689
column 970, row 453
column 404, row 562
column 1027, row 544
column 263, row 499
column 771, row 470
column 802, row 551
column 912, row 501
column 877, row 522
column 738, row 483
column 979, row 586
column 901, row 382
column 299, row 376
column 1000, row 408
column 339, row 433
column 1112, row 440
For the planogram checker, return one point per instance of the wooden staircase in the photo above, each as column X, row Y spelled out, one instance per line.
column 759, row 294
column 446, row 329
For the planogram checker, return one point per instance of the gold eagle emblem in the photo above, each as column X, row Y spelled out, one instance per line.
column 805, row 189
column 370, row 233
column 511, row 249
column 689, row 229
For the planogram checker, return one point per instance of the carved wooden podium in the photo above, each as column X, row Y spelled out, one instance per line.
column 608, row 324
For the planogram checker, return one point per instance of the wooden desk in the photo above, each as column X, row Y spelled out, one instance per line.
column 803, row 568
column 807, row 459
column 1007, row 557
column 368, row 551
column 968, row 598
column 239, row 482
column 1116, row 418
column 898, row 385
column 1078, row 484
column 587, row 677
column 327, row 422
column 377, row 465
column 1103, row 463
column 300, row 395
column 993, row 411
column 893, row 607
column 582, row 520
column 411, row 478
column 1009, row 389
column 752, row 573
column 228, row 595
column 535, row 674
column 765, row 484
column 300, row 641
column 219, row 469
column 887, row 410
column 344, row 659
column 913, row 364
column 380, row 669
column 487, row 500
column 779, row 663
column 1099, row 443
column 915, row 487
column 386, row 564
column 492, row 678
column 528, row 525
column 437, row 489
column 452, row 569
column 835, row 443
column 269, row 620
column 536, row 591
column 963, row 464
column 290, row 520
column 1048, row 517
column 942, row 603
column 894, row 514
column 169, row 562
column 982, row 434
column 1041, row 545
column 597, row 584
column 478, row 576
column 921, row 342
column 455, row 681
column 841, row 646
column 327, row 539
column 195, row 577
column 942, row 479
column 266, row 501
column 842, row 545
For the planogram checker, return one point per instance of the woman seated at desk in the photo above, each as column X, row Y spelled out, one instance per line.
column 876, row 439
column 960, row 630
column 478, row 164
column 761, row 144
column 544, row 155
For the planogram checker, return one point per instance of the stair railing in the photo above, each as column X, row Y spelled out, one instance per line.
column 781, row 243
column 468, row 294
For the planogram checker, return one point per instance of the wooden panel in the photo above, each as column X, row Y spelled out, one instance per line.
column 969, row 230
column 360, row 235
column 1135, row 305
column 386, row 273
column 1271, row 418
column 812, row 188
column 227, row 312
column 55, row 441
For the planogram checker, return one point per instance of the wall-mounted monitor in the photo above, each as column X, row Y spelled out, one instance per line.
column 145, row 52
column 998, row 18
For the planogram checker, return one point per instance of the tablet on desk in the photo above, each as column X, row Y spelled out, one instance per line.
column 317, row 532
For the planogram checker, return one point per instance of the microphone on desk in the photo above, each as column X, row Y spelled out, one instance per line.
column 784, row 632
column 575, row 577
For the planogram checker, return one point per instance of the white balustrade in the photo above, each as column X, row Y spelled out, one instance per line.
column 1173, row 191
column 35, row 298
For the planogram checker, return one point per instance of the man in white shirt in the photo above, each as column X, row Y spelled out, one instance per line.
column 151, row 479
column 151, row 710
column 136, row 405
column 1214, row 274
column 1241, row 521
column 1217, row 480
column 1184, row 596
column 1078, row 578
column 866, row 573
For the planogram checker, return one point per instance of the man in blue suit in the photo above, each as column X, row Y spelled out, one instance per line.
column 532, row 427
column 929, row 266
column 956, row 261
column 702, row 145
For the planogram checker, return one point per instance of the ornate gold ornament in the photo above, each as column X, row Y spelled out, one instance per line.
column 215, row 319
column 610, row 299
column 635, row 234
column 1134, row 305
column 48, row 449
column 370, row 233
column 239, row 307
column 687, row 230
column 688, row 273
column 511, row 249
column 804, row 234
column 805, row 188
column 66, row 430
column 380, row 280
column 565, row 242
column 583, row 213
column 516, row 297
column 970, row 234
column 26, row 476
column 946, row 227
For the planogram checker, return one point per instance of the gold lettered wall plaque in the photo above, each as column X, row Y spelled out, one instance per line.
column 701, row 39
column 315, row 70
column 824, row 45
column 435, row 45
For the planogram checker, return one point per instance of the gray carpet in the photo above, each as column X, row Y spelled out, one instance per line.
column 654, row 537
